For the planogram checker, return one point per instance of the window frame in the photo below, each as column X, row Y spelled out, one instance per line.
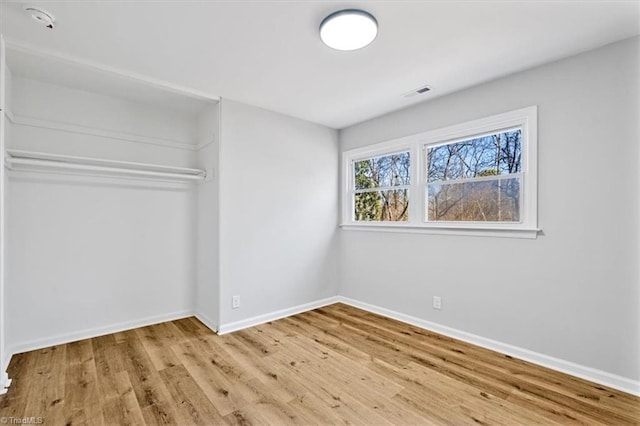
column 417, row 145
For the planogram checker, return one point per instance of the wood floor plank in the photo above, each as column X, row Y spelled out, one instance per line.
column 315, row 408
column 14, row 402
column 333, row 365
column 356, row 392
column 187, row 328
column 122, row 407
column 344, row 372
column 108, row 363
column 575, row 388
column 386, row 350
column 298, row 326
column 266, row 410
column 550, row 410
column 82, row 403
column 257, row 367
column 193, row 405
column 479, row 406
column 48, row 385
column 150, row 391
column 255, row 340
column 155, row 343
column 225, row 396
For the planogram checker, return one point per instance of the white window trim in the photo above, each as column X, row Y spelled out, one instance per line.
column 525, row 118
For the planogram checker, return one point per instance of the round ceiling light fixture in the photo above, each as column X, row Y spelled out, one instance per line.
column 45, row 18
column 348, row 29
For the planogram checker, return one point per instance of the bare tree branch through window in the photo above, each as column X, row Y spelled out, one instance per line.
column 476, row 180
column 381, row 188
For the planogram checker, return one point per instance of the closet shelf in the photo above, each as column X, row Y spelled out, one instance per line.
column 38, row 161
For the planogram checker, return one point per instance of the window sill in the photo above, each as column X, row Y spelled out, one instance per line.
column 526, row 233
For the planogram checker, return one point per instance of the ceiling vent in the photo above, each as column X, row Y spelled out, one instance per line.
column 418, row 91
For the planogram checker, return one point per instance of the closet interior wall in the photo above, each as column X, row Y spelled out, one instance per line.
column 207, row 219
column 86, row 253
column 4, row 354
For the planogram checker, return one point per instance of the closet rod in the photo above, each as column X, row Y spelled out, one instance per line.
column 58, row 163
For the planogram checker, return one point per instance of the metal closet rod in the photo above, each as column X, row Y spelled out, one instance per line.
column 61, row 162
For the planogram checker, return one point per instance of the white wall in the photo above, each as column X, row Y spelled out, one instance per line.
column 278, row 212
column 4, row 354
column 84, row 256
column 4, row 102
column 61, row 104
column 207, row 280
column 61, row 120
column 573, row 293
column 87, row 255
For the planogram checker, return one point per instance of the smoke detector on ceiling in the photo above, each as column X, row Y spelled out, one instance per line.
column 45, row 18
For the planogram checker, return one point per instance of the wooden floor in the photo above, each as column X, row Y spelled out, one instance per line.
column 335, row 365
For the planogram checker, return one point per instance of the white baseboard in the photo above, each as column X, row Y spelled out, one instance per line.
column 206, row 321
column 95, row 332
column 272, row 316
column 597, row 376
column 7, row 360
column 5, row 382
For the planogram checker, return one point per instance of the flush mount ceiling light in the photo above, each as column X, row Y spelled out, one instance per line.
column 348, row 29
column 40, row 15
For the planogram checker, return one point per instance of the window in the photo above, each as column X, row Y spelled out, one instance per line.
column 474, row 178
column 381, row 188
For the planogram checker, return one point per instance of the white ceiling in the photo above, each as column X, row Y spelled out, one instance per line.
column 268, row 53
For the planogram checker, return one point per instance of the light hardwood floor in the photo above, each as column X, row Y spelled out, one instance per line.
column 335, row 365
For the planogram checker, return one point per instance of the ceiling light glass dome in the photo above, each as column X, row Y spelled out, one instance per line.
column 348, row 29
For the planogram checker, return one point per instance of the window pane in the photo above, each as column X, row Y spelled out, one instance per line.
column 390, row 206
column 483, row 201
column 497, row 154
column 383, row 171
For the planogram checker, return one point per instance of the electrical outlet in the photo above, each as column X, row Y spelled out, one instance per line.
column 437, row 302
column 235, row 302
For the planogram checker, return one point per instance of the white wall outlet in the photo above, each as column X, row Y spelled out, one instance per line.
column 437, row 302
column 235, row 302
